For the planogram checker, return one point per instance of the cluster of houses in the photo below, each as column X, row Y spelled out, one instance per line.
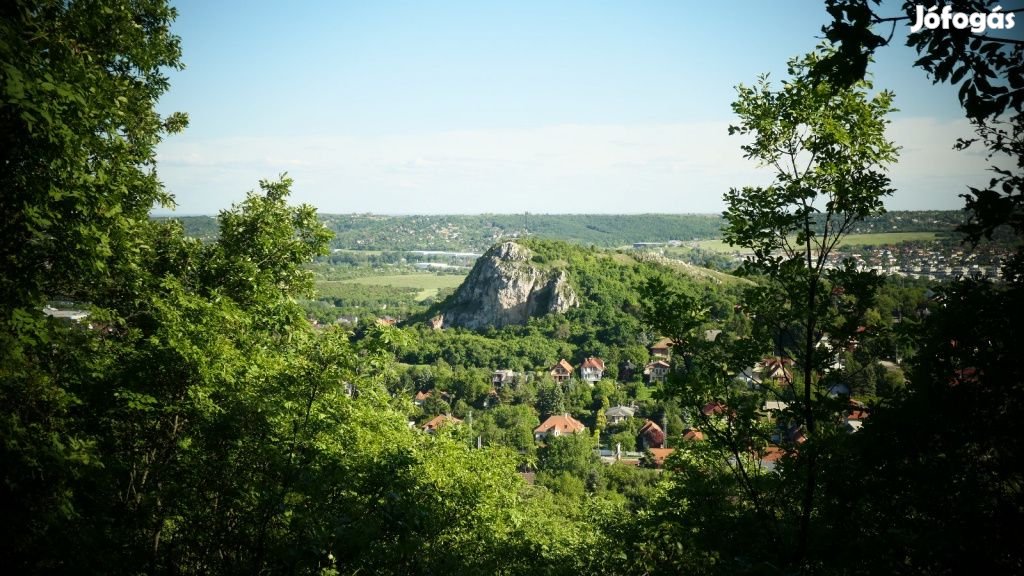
column 592, row 369
column 928, row 260
column 771, row 371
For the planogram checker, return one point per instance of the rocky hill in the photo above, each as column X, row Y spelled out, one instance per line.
column 506, row 287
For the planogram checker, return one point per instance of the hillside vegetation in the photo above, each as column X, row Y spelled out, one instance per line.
column 613, row 293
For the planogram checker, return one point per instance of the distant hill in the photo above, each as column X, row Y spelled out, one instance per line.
column 476, row 233
column 598, row 293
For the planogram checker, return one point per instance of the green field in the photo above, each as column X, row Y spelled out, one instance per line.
column 427, row 284
column 879, row 239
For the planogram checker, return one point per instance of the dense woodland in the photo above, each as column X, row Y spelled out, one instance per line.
column 169, row 407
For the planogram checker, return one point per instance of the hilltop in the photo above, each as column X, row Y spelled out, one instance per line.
column 526, row 303
column 506, row 287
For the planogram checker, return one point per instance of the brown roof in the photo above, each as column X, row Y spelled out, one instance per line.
column 423, row 395
column 659, row 455
column 778, row 368
column 652, row 432
column 592, row 362
column 857, row 410
column 858, row 415
column 440, row 420
column 565, row 366
column 693, row 434
column 772, row 453
column 563, row 423
column 649, row 426
column 663, row 343
column 715, row 407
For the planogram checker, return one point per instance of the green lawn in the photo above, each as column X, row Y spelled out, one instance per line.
column 427, row 284
column 851, row 240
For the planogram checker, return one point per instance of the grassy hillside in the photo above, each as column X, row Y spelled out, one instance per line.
column 426, row 285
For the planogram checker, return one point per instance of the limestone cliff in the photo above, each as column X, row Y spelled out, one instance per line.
column 505, row 288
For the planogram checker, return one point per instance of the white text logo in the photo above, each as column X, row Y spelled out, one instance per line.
column 978, row 22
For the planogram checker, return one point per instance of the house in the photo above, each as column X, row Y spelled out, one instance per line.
column 773, row 408
column 651, row 435
column 67, row 316
column 777, row 370
column 437, row 422
column 562, row 371
column 502, row 377
column 657, row 371
column 692, row 435
column 855, row 415
column 421, row 397
column 751, row 377
column 617, row 414
column 558, row 425
column 656, row 456
column 662, row 348
column 714, row 408
column 770, row 456
column 592, row 370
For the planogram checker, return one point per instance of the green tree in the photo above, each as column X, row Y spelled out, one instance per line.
column 79, row 82
column 550, row 397
column 197, row 423
column 989, row 69
column 827, row 148
column 572, row 453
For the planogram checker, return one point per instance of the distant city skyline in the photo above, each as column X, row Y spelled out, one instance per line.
column 469, row 107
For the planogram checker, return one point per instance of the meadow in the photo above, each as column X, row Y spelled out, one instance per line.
column 427, row 285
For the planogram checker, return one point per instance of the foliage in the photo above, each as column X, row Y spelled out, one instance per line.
column 990, row 72
column 827, row 150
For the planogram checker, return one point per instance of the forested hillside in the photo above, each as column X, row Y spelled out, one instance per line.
column 177, row 399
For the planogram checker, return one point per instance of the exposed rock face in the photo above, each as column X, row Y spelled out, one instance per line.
column 505, row 288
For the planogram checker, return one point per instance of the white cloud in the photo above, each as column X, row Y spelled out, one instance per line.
column 562, row 168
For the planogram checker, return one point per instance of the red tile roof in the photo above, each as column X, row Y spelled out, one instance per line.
column 653, row 433
column 565, row 366
column 592, row 362
column 715, row 407
column 660, row 454
column 772, row 454
column 693, row 434
column 562, row 423
column 439, row 421
column 858, row 415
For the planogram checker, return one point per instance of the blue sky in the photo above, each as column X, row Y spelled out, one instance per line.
column 470, row 107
